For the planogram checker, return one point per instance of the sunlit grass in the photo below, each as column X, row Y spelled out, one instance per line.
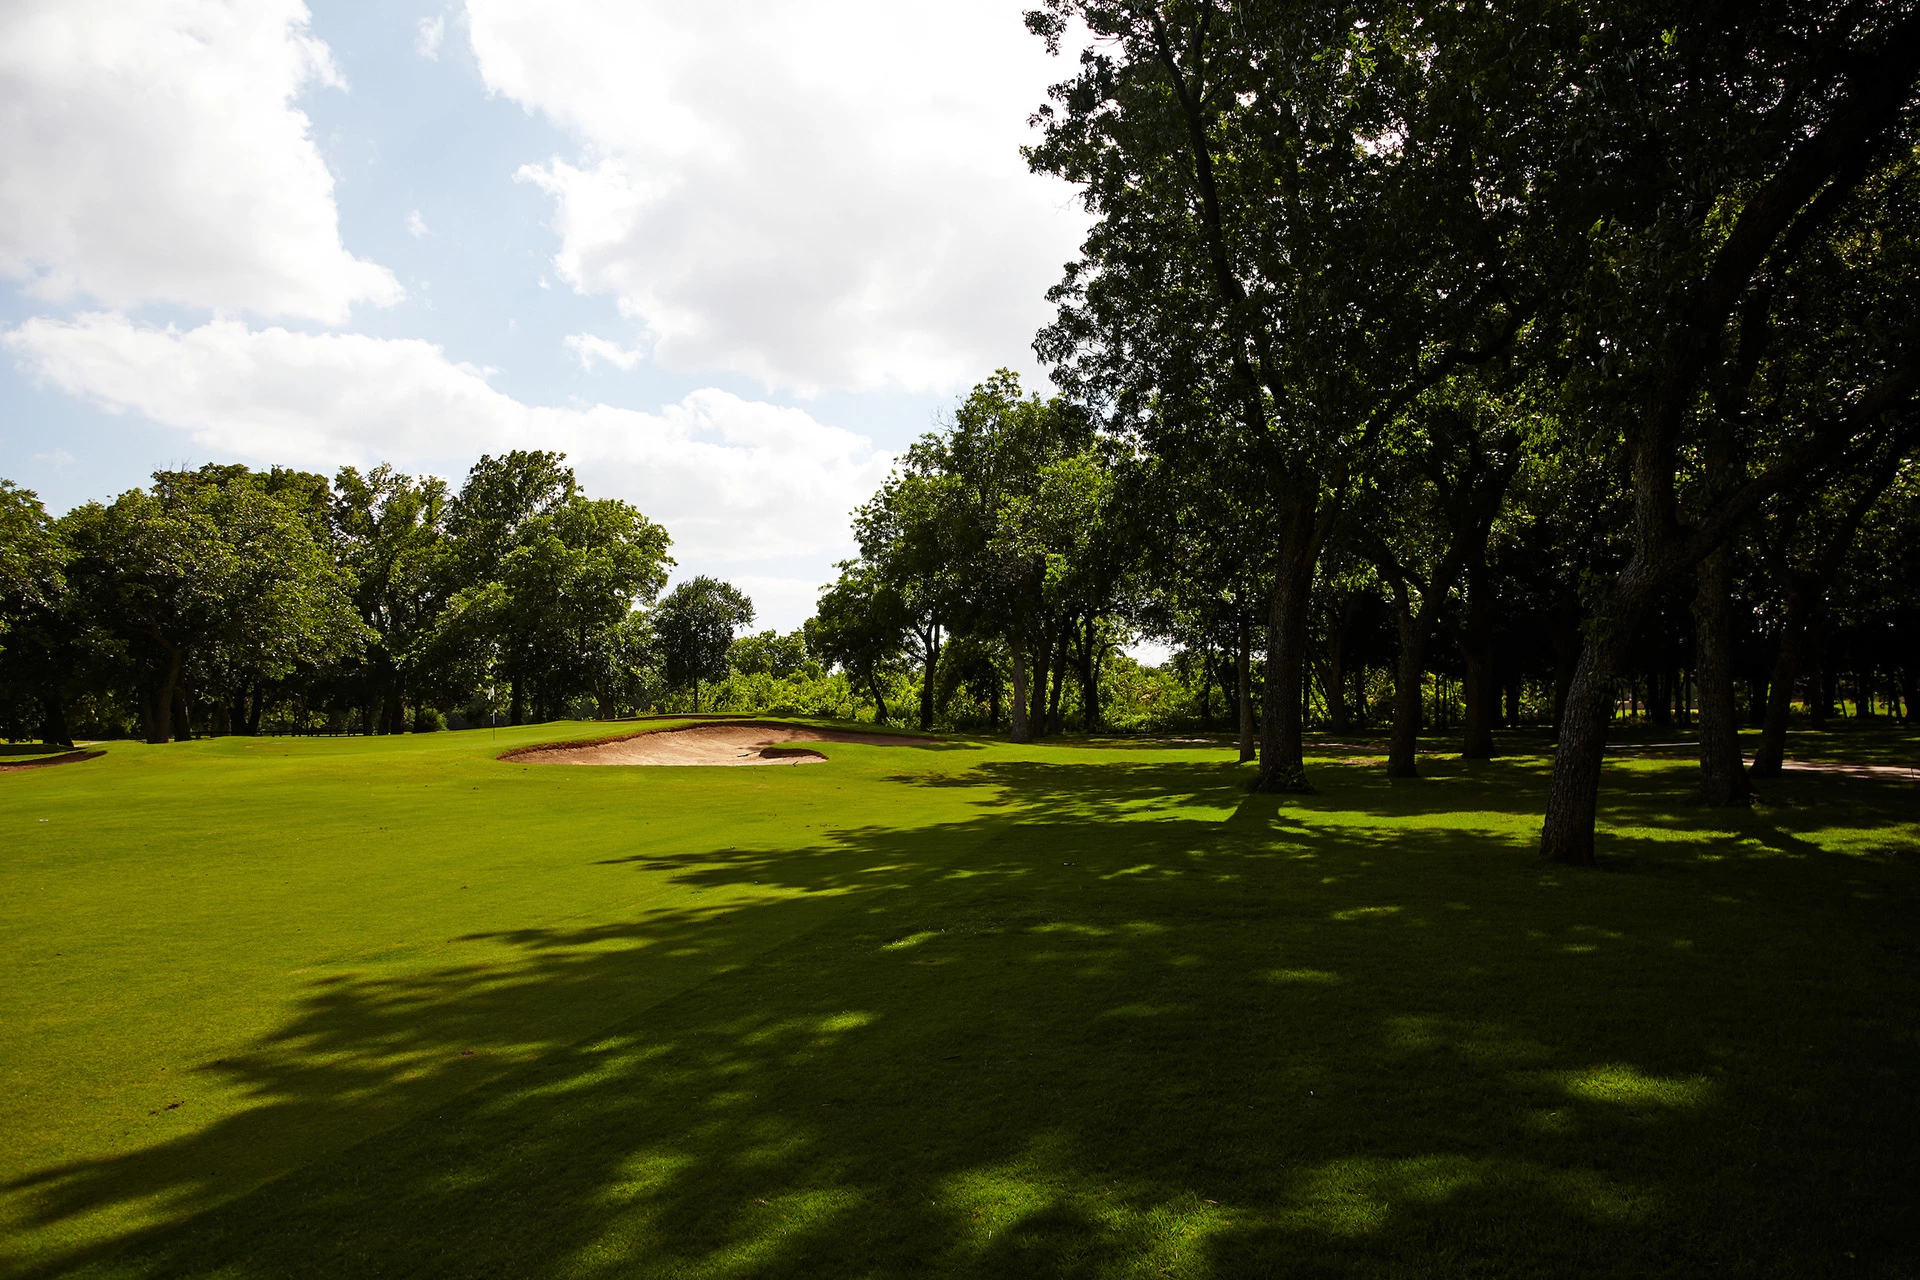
column 390, row 1007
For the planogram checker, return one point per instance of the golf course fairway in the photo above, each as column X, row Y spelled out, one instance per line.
column 395, row 1007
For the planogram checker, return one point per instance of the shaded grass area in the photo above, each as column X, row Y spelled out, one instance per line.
column 1063, row 1010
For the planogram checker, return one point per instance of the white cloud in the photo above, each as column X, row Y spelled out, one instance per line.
column 427, row 37
column 778, row 602
column 818, row 196
column 733, row 480
column 592, row 349
column 417, row 225
column 154, row 153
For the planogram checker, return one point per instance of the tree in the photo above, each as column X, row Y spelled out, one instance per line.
column 625, row 670
column 498, row 499
column 904, row 539
column 551, row 617
column 1423, row 518
column 389, row 533
column 1197, row 576
column 1812, row 542
column 769, row 653
column 694, row 625
column 1018, row 494
column 37, row 636
column 863, row 626
column 203, row 576
column 1305, row 219
column 1734, row 137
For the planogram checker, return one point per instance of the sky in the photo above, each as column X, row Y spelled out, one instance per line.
column 730, row 258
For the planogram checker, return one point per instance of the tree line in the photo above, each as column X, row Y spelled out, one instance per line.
column 375, row 602
column 1584, row 329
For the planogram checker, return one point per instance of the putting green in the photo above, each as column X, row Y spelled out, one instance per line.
column 392, row 1006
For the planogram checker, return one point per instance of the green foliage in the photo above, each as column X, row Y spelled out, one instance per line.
column 240, row 600
column 499, row 499
column 208, row 579
column 996, row 528
column 552, row 618
column 808, row 691
column 389, row 531
column 860, row 625
column 693, row 628
column 770, row 654
column 30, row 557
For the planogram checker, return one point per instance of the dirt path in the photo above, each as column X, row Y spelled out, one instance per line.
column 707, row 744
column 1897, row 772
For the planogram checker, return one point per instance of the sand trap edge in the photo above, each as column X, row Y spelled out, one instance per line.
column 45, row 762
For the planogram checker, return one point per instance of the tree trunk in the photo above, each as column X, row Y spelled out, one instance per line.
column 1337, row 669
column 873, row 683
column 1037, row 694
column 1060, row 653
column 1089, row 677
column 1573, row 793
column 158, row 699
column 1019, row 730
column 1819, row 683
column 255, row 704
column 1409, row 666
column 1359, row 708
column 1723, row 779
column 1772, row 751
column 1206, row 687
column 1476, row 648
column 53, row 718
column 1243, row 681
column 930, row 648
column 1282, row 757
column 393, row 716
column 1660, row 697
column 182, row 713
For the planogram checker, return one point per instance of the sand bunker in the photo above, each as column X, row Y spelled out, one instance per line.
column 733, row 743
column 12, row 765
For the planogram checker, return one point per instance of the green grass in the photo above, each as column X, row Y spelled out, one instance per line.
column 1079, row 1009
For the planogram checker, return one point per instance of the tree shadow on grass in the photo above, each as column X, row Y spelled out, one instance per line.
column 13, row 750
column 1044, row 1042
